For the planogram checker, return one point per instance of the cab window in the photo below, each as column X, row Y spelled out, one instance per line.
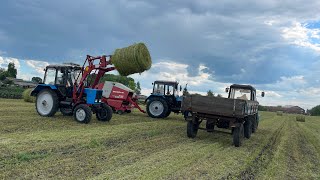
column 50, row 76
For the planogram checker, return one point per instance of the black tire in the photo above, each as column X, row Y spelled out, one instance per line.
column 41, row 103
column 237, row 135
column 209, row 126
column 247, row 128
column 120, row 112
column 168, row 114
column 160, row 114
column 254, row 124
column 66, row 111
column 192, row 129
column 85, row 113
column 105, row 113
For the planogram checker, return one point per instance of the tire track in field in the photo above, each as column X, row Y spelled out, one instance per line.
column 300, row 149
column 264, row 157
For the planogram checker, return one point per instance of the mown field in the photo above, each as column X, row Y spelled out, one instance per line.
column 134, row 146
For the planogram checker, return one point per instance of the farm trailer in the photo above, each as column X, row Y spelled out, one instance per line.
column 238, row 112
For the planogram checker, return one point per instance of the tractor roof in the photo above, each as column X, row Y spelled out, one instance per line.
column 242, row 86
column 166, row 82
column 65, row 65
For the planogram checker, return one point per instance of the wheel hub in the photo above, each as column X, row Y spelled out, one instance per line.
column 44, row 103
column 80, row 114
column 156, row 108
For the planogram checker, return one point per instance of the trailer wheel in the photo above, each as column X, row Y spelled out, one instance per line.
column 157, row 107
column 82, row 113
column 209, row 126
column 192, row 129
column 47, row 103
column 248, row 128
column 128, row 111
column 66, row 111
column 105, row 113
column 120, row 112
column 237, row 135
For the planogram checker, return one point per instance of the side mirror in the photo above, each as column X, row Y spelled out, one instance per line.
column 152, row 83
column 262, row 94
column 227, row 90
column 180, row 88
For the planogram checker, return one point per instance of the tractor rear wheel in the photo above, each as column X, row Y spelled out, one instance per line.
column 237, row 135
column 47, row 103
column 168, row 113
column 105, row 113
column 247, row 128
column 255, row 123
column 82, row 113
column 66, row 111
column 157, row 107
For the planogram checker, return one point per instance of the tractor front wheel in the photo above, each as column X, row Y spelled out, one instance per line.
column 157, row 108
column 105, row 113
column 47, row 103
column 82, row 113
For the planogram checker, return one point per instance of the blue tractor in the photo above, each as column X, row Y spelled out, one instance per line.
column 73, row 89
column 164, row 99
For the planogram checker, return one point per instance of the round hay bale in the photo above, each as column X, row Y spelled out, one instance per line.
column 27, row 97
column 279, row 113
column 132, row 59
column 301, row 118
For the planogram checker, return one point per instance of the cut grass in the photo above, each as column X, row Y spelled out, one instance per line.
column 134, row 146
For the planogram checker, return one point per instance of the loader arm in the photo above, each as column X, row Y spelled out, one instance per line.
column 100, row 70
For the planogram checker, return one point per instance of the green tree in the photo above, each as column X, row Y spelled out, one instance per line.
column 262, row 108
column 210, row 93
column 138, row 88
column 3, row 75
column 132, row 85
column 12, row 71
column 36, row 79
column 315, row 111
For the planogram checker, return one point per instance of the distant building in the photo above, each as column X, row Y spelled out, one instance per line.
column 22, row 83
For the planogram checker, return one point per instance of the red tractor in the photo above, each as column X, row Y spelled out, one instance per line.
column 119, row 97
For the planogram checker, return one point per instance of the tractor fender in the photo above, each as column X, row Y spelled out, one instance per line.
column 40, row 87
column 152, row 96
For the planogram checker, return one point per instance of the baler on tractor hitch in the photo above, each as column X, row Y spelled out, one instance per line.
column 119, row 97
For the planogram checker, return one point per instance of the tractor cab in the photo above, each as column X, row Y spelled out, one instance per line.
column 164, row 99
column 244, row 92
column 62, row 77
column 165, row 88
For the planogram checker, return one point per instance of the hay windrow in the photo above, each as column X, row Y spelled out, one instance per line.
column 132, row 59
column 27, row 96
column 301, row 118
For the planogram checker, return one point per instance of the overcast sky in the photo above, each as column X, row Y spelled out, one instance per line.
column 208, row 44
